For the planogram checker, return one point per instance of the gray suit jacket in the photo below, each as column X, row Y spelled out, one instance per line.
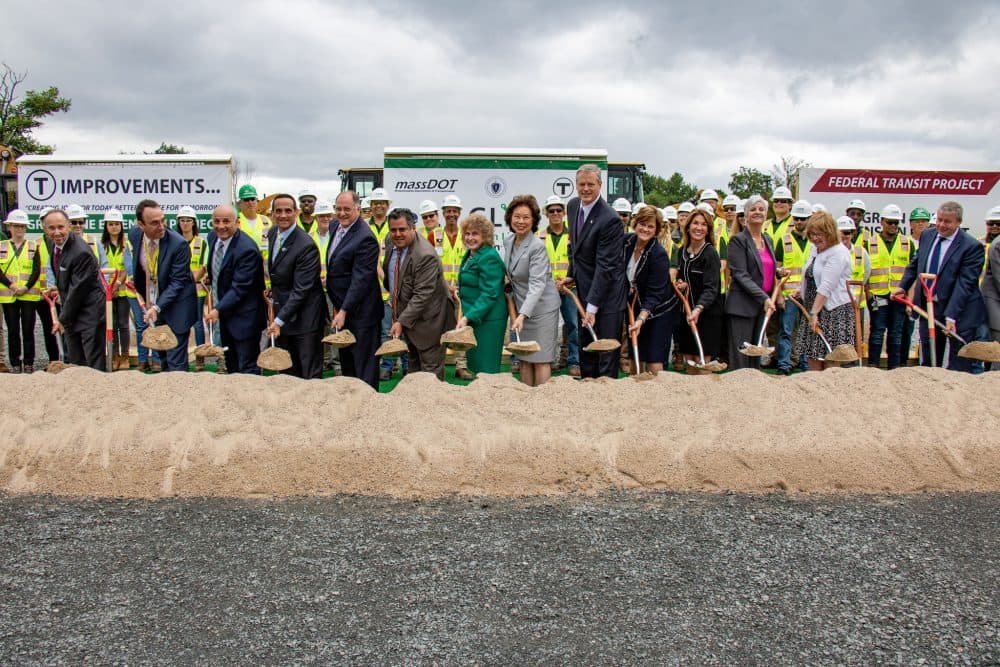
column 530, row 276
column 423, row 302
column 746, row 297
column 991, row 285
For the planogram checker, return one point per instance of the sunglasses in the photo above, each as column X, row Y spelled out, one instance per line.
column 77, row 222
column 993, row 223
column 729, row 209
column 847, row 232
column 801, row 219
column 782, row 201
column 624, row 216
column 890, row 222
column 559, row 210
column 428, row 216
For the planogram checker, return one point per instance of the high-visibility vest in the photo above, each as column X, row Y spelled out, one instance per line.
column 558, row 253
column 302, row 225
column 794, row 260
column 986, row 255
column 777, row 229
column 257, row 230
column 887, row 266
column 720, row 233
column 381, row 235
column 93, row 242
column 17, row 267
column 323, row 245
column 116, row 260
column 858, row 273
column 43, row 260
column 197, row 247
column 451, row 257
column 438, row 232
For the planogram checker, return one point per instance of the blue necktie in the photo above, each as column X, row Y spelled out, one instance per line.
column 579, row 222
column 932, row 266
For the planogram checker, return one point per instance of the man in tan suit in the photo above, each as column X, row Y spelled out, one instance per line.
column 422, row 308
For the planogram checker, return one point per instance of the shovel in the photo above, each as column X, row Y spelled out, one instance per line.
column 808, row 317
column 712, row 366
column 928, row 281
column 55, row 365
column 459, row 340
column 978, row 350
column 273, row 358
column 159, row 338
column 341, row 338
column 760, row 350
column 209, row 349
column 109, row 331
column 924, row 314
column 598, row 344
column 645, row 375
column 518, row 347
column 856, row 305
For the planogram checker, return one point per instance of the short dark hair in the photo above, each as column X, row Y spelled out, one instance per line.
column 55, row 210
column 644, row 215
column 524, row 200
column 284, row 195
column 142, row 206
column 397, row 213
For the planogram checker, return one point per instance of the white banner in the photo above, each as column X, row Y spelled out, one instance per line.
column 98, row 187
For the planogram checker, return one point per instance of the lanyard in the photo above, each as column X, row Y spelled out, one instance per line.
column 152, row 258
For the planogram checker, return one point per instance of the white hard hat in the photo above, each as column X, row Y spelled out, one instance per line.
column 17, row 217
column 553, row 200
column 993, row 214
column 685, row 207
column 307, row 192
column 705, row 206
column 75, row 212
column 781, row 192
column 113, row 215
column 455, row 202
column 741, row 207
column 366, row 203
column 427, row 206
column 856, row 203
column 323, row 208
column 892, row 212
column 45, row 211
column 379, row 194
column 933, row 222
column 669, row 213
column 801, row 209
column 731, row 200
column 708, row 194
column 819, row 208
column 186, row 212
column 844, row 223
column 621, row 205
column 637, row 207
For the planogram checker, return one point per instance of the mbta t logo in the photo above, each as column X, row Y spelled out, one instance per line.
column 41, row 185
column 563, row 187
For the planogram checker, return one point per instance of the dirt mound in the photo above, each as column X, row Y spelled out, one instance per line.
column 837, row 430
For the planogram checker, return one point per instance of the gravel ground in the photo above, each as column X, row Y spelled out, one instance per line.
column 622, row 578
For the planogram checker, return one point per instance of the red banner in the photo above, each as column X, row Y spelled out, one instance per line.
column 954, row 183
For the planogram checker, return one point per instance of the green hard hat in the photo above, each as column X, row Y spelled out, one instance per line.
column 920, row 214
column 248, row 192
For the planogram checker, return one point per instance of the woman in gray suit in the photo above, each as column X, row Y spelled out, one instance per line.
column 535, row 296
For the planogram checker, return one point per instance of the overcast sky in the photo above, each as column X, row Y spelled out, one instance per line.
column 300, row 88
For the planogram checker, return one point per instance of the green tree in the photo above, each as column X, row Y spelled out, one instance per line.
column 786, row 172
column 747, row 181
column 20, row 117
column 169, row 149
column 663, row 191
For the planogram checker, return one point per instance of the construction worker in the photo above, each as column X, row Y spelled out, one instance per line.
column 791, row 252
column 187, row 226
column 556, row 238
column 366, row 208
column 254, row 224
column 321, row 237
column 781, row 203
column 624, row 210
column 819, row 208
column 431, row 231
column 452, row 251
column 683, row 211
column 720, row 228
column 379, row 224
column 78, row 224
column 307, row 206
column 119, row 253
column 856, row 211
column 20, row 263
column 890, row 253
column 920, row 219
column 992, row 233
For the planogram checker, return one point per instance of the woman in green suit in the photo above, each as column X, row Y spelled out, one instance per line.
column 480, row 288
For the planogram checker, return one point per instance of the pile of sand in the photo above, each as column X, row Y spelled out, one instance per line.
column 129, row 434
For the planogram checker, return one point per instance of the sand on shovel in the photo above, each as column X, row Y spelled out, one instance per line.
column 57, row 366
column 498, row 436
column 751, row 350
column 981, row 351
column 159, row 338
column 208, row 350
column 274, row 359
column 459, row 340
column 391, row 348
column 842, row 354
column 340, row 339
column 524, row 347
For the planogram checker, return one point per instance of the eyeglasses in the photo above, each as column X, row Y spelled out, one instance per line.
column 800, row 219
column 889, row 222
column 251, row 199
column 428, row 216
column 554, row 210
column 993, row 223
column 847, row 232
column 729, row 209
column 77, row 222
column 624, row 216
column 782, row 201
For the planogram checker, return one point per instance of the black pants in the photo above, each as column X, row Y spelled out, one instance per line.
column 176, row 359
column 741, row 330
column 306, row 351
column 120, row 310
column 606, row 364
column 45, row 317
column 358, row 360
column 86, row 347
column 20, row 319
column 241, row 355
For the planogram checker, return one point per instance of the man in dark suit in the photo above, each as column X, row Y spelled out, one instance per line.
column 80, row 293
column 597, row 267
column 352, row 284
column 957, row 260
column 236, row 278
column 299, row 302
column 418, row 295
column 162, row 270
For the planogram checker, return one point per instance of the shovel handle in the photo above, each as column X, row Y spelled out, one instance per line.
column 694, row 329
column 633, row 335
column 579, row 309
column 808, row 316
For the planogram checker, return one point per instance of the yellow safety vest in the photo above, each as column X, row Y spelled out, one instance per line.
column 197, row 246
column 312, row 226
column 92, row 242
column 43, row 259
column 887, row 267
column 257, row 230
column 794, row 260
column 558, row 254
column 858, row 273
column 323, row 245
column 777, row 229
column 451, row 257
column 17, row 267
column 720, row 233
column 116, row 260
column 381, row 235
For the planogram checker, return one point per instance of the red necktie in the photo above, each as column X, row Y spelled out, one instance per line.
column 395, row 285
column 55, row 259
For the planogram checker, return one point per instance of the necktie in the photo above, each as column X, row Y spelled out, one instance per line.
column 336, row 238
column 395, row 282
column 579, row 222
column 55, row 259
column 934, row 263
column 217, row 257
column 277, row 248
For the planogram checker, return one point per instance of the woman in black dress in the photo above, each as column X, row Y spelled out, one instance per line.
column 698, row 269
column 647, row 267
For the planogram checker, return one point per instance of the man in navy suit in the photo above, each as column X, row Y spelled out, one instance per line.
column 957, row 260
column 162, row 270
column 597, row 267
column 300, row 312
column 236, row 278
column 352, row 283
